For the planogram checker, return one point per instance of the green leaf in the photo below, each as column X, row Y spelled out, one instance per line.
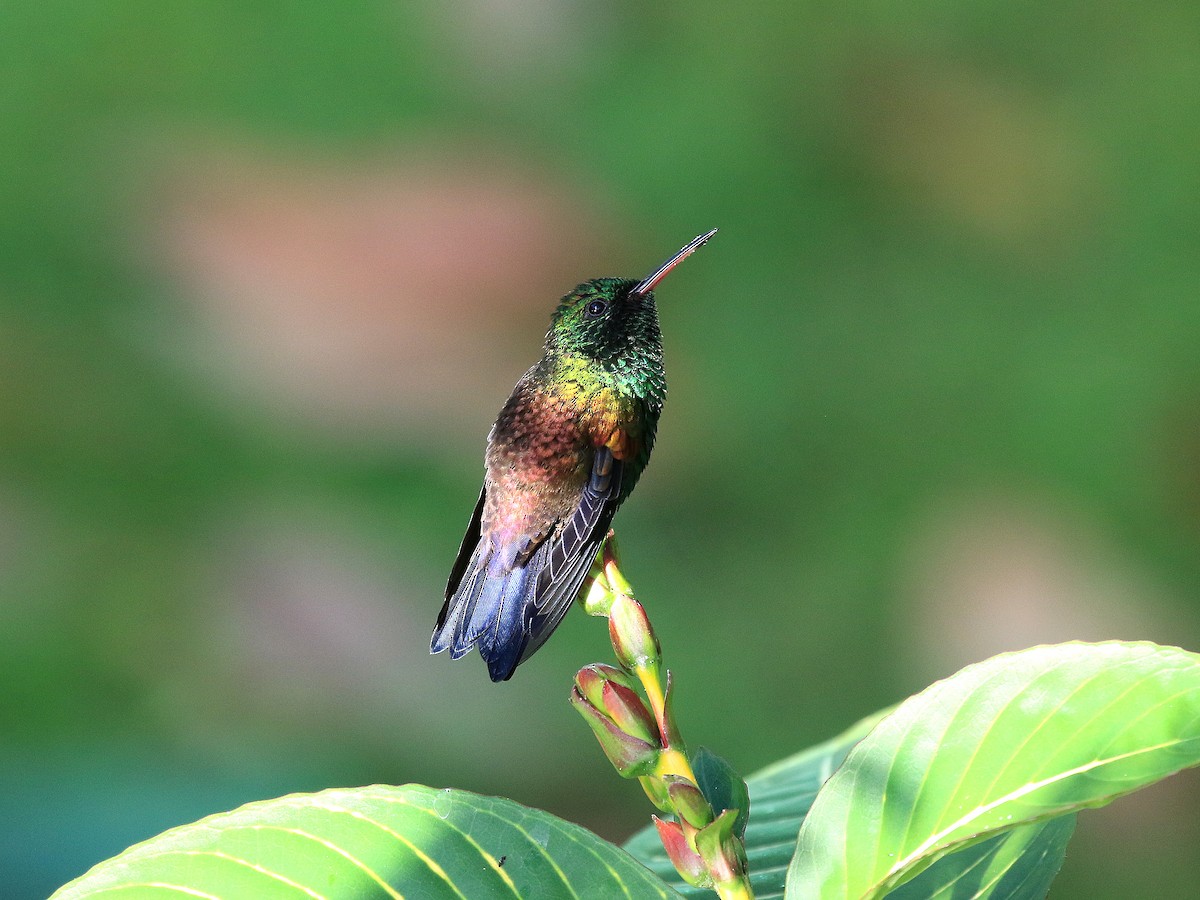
column 1017, row 864
column 722, row 787
column 780, row 795
column 1017, row 739
column 373, row 842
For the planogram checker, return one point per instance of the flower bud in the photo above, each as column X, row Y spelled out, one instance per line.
column 629, row 713
column 656, row 790
column 687, row 861
column 597, row 594
column 688, row 802
column 631, row 756
column 720, row 847
column 632, row 637
column 610, row 562
column 612, row 693
column 591, row 680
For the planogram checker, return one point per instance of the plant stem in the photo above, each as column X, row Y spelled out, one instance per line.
column 651, row 681
column 718, row 859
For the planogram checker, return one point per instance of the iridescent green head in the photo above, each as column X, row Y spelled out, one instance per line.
column 604, row 320
column 613, row 319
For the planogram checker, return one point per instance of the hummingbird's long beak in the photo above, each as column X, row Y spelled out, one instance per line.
column 647, row 284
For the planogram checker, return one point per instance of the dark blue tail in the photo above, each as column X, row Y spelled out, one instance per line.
column 487, row 611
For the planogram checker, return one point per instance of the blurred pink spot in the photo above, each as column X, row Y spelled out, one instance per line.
column 376, row 295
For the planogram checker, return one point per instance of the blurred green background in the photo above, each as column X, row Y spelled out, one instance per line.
column 267, row 271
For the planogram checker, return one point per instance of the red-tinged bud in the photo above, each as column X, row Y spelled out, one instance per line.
column 721, row 849
column 629, row 755
column 632, row 637
column 689, row 804
column 590, row 682
column 612, row 692
column 687, row 861
column 612, row 673
column 628, row 711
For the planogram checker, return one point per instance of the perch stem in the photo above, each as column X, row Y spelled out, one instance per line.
column 718, row 859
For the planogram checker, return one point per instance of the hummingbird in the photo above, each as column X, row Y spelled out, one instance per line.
column 565, row 451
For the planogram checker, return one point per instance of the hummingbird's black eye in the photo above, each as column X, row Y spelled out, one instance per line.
column 596, row 309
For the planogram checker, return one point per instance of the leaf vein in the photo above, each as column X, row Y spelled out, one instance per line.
column 1026, row 789
column 491, row 860
column 237, row 860
column 329, row 845
column 413, row 848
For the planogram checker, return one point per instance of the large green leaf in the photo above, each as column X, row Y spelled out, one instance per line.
column 373, row 842
column 1017, row 865
column 1017, row 739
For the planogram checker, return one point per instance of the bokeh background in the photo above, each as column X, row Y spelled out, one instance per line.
column 268, row 270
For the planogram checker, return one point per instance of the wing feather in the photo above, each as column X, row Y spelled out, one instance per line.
column 561, row 565
column 509, row 603
column 467, row 549
column 470, row 558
